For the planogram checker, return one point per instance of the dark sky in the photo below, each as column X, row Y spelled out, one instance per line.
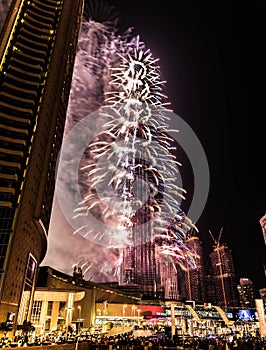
column 212, row 57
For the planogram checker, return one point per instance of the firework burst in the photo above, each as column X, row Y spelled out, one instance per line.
column 134, row 173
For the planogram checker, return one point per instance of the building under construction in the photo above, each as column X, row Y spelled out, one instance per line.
column 223, row 276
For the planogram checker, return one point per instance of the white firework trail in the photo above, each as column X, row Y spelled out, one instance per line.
column 135, row 146
column 127, row 191
column 96, row 51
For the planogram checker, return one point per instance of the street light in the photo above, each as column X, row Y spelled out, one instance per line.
column 79, row 319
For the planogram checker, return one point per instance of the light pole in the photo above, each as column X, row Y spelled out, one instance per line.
column 79, row 308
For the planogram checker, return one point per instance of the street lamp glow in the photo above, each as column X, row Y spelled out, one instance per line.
column 79, row 318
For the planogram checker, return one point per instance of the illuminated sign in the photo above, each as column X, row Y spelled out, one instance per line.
column 10, row 321
column 246, row 315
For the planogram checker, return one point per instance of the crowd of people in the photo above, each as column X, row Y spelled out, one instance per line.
column 131, row 340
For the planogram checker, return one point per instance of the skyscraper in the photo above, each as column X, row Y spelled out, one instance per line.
column 246, row 293
column 223, row 275
column 194, row 276
column 37, row 52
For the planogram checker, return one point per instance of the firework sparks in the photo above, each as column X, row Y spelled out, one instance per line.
column 120, row 187
column 133, row 174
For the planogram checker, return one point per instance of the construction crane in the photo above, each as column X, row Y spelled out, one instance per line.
column 216, row 241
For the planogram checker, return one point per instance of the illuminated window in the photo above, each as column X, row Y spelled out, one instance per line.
column 49, row 308
column 47, row 324
column 36, row 311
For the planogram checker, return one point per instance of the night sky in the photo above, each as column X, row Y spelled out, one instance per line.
column 212, row 57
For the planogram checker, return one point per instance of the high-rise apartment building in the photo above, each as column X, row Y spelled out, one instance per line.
column 194, row 276
column 37, row 53
column 223, row 275
column 246, row 293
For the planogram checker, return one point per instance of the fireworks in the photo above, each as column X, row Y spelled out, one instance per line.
column 134, row 174
column 126, row 194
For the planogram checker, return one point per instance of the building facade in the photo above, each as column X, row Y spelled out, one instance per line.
column 37, row 52
column 246, row 293
column 223, row 275
column 62, row 301
column 194, row 276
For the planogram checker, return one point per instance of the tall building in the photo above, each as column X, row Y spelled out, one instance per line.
column 246, row 293
column 141, row 270
column 209, row 286
column 37, row 53
column 140, row 199
column 263, row 227
column 194, row 276
column 147, row 272
column 223, row 275
column 169, row 279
